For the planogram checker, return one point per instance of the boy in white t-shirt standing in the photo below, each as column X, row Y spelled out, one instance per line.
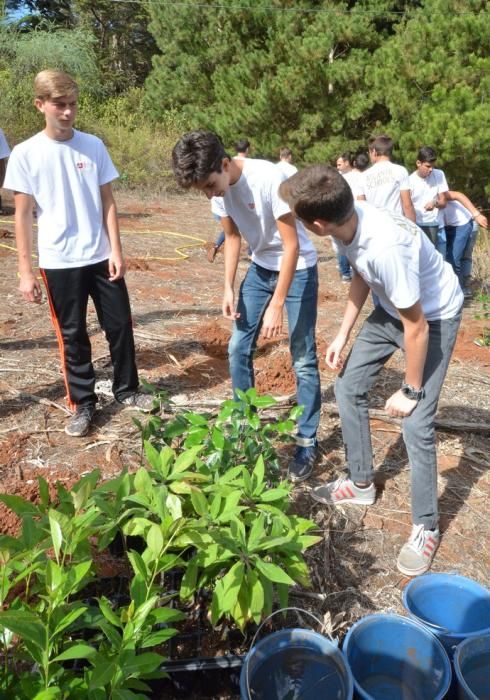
column 385, row 184
column 460, row 215
column 68, row 175
column 419, row 311
column 283, row 271
column 428, row 188
column 4, row 154
column 285, row 163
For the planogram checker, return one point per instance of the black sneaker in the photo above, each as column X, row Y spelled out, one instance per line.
column 79, row 423
column 303, row 461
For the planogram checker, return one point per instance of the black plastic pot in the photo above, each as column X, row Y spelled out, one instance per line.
column 199, row 678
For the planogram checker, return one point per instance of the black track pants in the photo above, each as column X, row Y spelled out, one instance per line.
column 68, row 294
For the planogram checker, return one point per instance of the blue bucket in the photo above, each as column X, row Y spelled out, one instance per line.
column 394, row 658
column 294, row 663
column 453, row 607
column 472, row 668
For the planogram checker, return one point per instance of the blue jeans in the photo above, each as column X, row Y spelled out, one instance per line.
column 457, row 240
column 467, row 259
column 220, row 240
column 378, row 339
column 301, row 305
column 441, row 243
column 344, row 265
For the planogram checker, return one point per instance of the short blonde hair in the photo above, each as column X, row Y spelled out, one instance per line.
column 49, row 84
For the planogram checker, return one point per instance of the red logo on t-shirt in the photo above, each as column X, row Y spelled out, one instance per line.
column 251, row 205
column 80, row 165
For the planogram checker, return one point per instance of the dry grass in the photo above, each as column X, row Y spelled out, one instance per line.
column 481, row 260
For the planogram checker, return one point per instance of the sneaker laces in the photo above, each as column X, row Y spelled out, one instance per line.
column 338, row 483
column 417, row 538
column 304, row 455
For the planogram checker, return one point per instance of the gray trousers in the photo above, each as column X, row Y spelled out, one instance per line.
column 378, row 339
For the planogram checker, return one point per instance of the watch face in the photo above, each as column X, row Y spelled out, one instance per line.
column 411, row 393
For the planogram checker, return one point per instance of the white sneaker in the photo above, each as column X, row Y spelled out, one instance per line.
column 344, row 490
column 417, row 554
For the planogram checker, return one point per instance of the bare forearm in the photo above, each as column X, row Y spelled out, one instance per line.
column 111, row 223
column 462, row 199
column 407, row 205
column 358, row 293
column 480, row 219
column 233, row 244
column 416, row 343
column 112, row 227
column 286, row 274
column 24, row 236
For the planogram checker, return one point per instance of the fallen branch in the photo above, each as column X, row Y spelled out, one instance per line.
column 32, row 397
column 442, row 423
column 23, row 431
column 332, row 408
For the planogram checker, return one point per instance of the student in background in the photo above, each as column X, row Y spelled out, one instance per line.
column 428, row 189
column 345, row 167
column 285, row 163
column 459, row 216
column 361, row 162
column 4, row 154
column 242, row 148
column 385, row 184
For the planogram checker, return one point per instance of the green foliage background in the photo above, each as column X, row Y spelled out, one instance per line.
column 320, row 76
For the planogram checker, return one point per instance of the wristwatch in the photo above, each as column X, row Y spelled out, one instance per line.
column 411, row 393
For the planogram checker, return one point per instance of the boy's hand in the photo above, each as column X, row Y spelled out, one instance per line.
column 399, row 405
column 334, row 350
column 272, row 321
column 30, row 288
column 117, row 268
column 228, row 306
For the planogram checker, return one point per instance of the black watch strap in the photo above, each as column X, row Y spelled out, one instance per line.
column 411, row 393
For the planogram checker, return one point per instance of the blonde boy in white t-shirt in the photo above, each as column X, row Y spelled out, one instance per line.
column 67, row 174
column 419, row 311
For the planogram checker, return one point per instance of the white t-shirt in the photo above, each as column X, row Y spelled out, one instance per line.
column 286, row 168
column 65, row 177
column 4, row 147
column 455, row 214
column 382, row 184
column 254, row 205
column 354, row 179
column 425, row 190
column 400, row 264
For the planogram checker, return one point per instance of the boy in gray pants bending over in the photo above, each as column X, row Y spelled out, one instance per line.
column 419, row 311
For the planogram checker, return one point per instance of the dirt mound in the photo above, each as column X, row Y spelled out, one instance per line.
column 214, row 340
